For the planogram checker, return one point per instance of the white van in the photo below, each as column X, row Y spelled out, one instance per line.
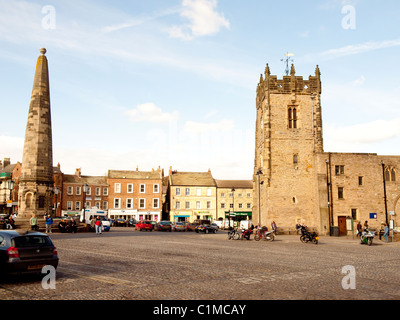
column 246, row 224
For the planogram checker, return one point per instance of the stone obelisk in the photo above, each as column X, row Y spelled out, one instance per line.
column 36, row 180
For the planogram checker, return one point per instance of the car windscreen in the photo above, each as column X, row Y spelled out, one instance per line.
column 165, row 222
column 29, row 241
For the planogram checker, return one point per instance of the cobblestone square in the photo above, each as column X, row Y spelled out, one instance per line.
column 124, row 264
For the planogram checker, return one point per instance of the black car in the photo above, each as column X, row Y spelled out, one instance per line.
column 120, row 223
column 206, row 228
column 131, row 223
column 26, row 252
column 164, row 226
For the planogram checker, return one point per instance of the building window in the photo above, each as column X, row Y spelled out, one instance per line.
column 117, row 188
column 77, row 206
column 292, row 117
column 339, row 170
column 142, row 188
column 156, row 203
column 209, row 192
column 295, row 159
column 129, row 203
column 129, row 188
column 98, row 191
column 360, row 181
column 78, row 191
column 105, row 205
column 117, row 203
column 198, row 192
column 390, row 174
column 178, row 205
column 340, row 193
column 69, row 205
column 178, row 191
column 231, row 205
column 222, row 205
column 249, row 206
column 105, row 191
column 156, row 188
column 198, row 205
column 88, row 191
column 97, row 204
column 187, row 191
column 142, row 203
column 354, row 214
column 70, row 191
column 240, row 205
column 222, row 195
column 187, row 205
column 208, row 204
column 249, row 195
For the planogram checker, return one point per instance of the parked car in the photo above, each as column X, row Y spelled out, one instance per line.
column 164, row 226
column 215, row 226
column 144, row 225
column 26, row 252
column 179, row 226
column 191, row 226
column 206, row 228
column 120, row 223
column 132, row 222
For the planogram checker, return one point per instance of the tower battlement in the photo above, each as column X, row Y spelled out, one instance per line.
column 290, row 84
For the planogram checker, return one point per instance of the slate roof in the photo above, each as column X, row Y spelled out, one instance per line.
column 238, row 184
column 204, row 179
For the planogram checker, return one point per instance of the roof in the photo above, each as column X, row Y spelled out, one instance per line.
column 90, row 180
column 239, row 184
column 192, row 179
column 120, row 174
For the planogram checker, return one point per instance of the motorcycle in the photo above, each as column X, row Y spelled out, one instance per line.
column 367, row 237
column 246, row 233
column 307, row 236
column 234, row 234
column 264, row 234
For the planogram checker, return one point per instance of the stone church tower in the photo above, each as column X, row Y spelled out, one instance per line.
column 36, row 181
column 288, row 135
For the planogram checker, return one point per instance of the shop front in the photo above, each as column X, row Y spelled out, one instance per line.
column 238, row 216
column 123, row 214
column 149, row 215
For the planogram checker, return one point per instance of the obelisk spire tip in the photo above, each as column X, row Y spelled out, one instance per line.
column 43, row 51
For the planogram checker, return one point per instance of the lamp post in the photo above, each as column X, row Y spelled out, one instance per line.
column 56, row 191
column 11, row 188
column 233, row 205
column 259, row 172
column 384, row 191
column 85, row 186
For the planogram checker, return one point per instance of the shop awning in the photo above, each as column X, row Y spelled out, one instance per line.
column 238, row 213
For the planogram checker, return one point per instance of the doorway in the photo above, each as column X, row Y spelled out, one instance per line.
column 342, row 226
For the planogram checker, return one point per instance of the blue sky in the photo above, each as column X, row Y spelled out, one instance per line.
column 173, row 82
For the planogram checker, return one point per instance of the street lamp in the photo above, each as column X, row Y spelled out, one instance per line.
column 259, row 172
column 56, row 191
column 11, row 188
column 384, row 191
column 233, row 206
column 85, row 189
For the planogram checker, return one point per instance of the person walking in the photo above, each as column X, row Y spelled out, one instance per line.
column 97, row 225
column 273, row 226
column 366, row 225
column 33, row 222
column 386, row 233
column 359, row 229
column 49, row 224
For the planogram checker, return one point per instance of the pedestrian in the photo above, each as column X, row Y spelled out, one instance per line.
column 359, row 229
column 49, row 224
column 386, row 233
column 366, row 225
column 72, row 225
column 273, row 226
column 33, row 222
column 98, row 225
column 62, row 226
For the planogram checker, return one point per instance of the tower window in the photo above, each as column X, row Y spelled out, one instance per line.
column 295, row 159
column 292, row 118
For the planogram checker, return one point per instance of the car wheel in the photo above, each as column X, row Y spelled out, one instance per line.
column 215, row 231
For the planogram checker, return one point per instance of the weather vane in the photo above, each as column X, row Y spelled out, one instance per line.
column 287, row 60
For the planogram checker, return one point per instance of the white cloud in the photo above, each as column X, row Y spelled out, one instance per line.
column 203, row 20
column 149, row 112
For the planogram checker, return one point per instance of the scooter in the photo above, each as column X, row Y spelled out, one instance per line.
column 367, row 237
column 234, row 234
column 265, row 235
column 246, row 233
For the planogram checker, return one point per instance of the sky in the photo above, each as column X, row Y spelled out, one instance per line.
column 172, row 83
